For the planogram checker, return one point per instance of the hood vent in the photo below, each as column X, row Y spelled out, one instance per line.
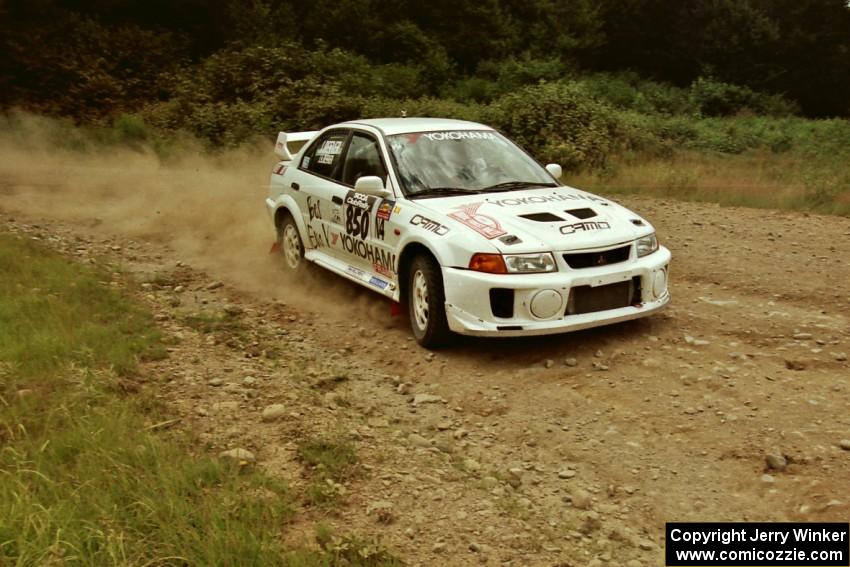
column 542, row 217
column 582, row 213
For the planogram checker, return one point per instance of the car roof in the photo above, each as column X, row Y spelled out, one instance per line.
column 391, row 126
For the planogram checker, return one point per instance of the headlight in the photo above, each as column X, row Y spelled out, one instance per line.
column 530, row 263
column 513, row 263
column 646, row 245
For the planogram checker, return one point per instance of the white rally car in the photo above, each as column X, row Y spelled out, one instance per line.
column 457, row 223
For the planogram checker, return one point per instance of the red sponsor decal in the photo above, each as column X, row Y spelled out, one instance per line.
column 383, row 270
column 385, row 210
column 484, row 225
column 334, row 238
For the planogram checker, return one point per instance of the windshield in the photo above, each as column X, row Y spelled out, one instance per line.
column 463, row 161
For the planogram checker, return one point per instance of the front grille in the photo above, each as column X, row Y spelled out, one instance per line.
column 591, row 259
column 587, row 299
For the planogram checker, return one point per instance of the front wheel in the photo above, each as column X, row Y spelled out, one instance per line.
column 291, row 246
column 426, row 303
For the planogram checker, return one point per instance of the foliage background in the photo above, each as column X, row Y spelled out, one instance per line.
column 595, row 85
column 90, row 58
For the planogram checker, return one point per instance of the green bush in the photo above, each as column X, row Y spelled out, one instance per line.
column 310, row 106
column 222, row 124
column 240, row 93
column 129, row 128
column 715, row 98
column 245, row 74
column 91, row 71
column 821, row 137
column 559, row 123
column 514, row 73
column 496, row 78
column 628, row 91
column 378, row 107
column 395, row 80
column 471, row 89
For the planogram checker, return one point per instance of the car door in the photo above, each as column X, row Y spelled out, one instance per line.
column 316, row 183
column 362, row 220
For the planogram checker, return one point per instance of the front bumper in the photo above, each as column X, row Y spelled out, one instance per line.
column 470, row 310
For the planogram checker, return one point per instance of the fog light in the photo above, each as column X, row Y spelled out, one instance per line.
column 546, row 303
column 659, row 283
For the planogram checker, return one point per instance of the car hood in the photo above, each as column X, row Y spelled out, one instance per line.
column 562, row 218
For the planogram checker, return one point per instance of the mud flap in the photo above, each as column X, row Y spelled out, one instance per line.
column 275, row 248
column 395, row 309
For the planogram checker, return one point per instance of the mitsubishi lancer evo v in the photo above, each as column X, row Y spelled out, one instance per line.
column 463, row 228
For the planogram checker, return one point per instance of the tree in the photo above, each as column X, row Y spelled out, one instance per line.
column 797, row 48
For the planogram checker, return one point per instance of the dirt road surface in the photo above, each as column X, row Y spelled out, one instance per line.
column 566, row 450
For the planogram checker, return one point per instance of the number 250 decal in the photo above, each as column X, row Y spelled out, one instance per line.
column 357, row 221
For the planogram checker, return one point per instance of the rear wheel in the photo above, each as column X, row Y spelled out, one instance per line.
column 426, row 303
column 291, row 246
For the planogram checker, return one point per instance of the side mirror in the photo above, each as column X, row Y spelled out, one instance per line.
column 555, row 170
column 371, row 185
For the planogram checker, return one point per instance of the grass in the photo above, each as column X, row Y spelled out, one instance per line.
column 332, row 458
column 757, row 179
column 332, row 462
column 83, row 478
column 353, row 551
column 53, row 314
column 342, row 551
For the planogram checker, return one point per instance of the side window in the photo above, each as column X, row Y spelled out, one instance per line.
column 363, row 158
column 323, row 157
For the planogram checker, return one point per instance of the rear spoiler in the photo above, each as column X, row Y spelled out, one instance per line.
column 281, row 148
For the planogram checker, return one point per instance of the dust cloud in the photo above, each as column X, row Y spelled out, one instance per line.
column 208, row 208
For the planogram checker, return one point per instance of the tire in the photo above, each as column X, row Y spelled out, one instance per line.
column 426, row 303
column 291, row 245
